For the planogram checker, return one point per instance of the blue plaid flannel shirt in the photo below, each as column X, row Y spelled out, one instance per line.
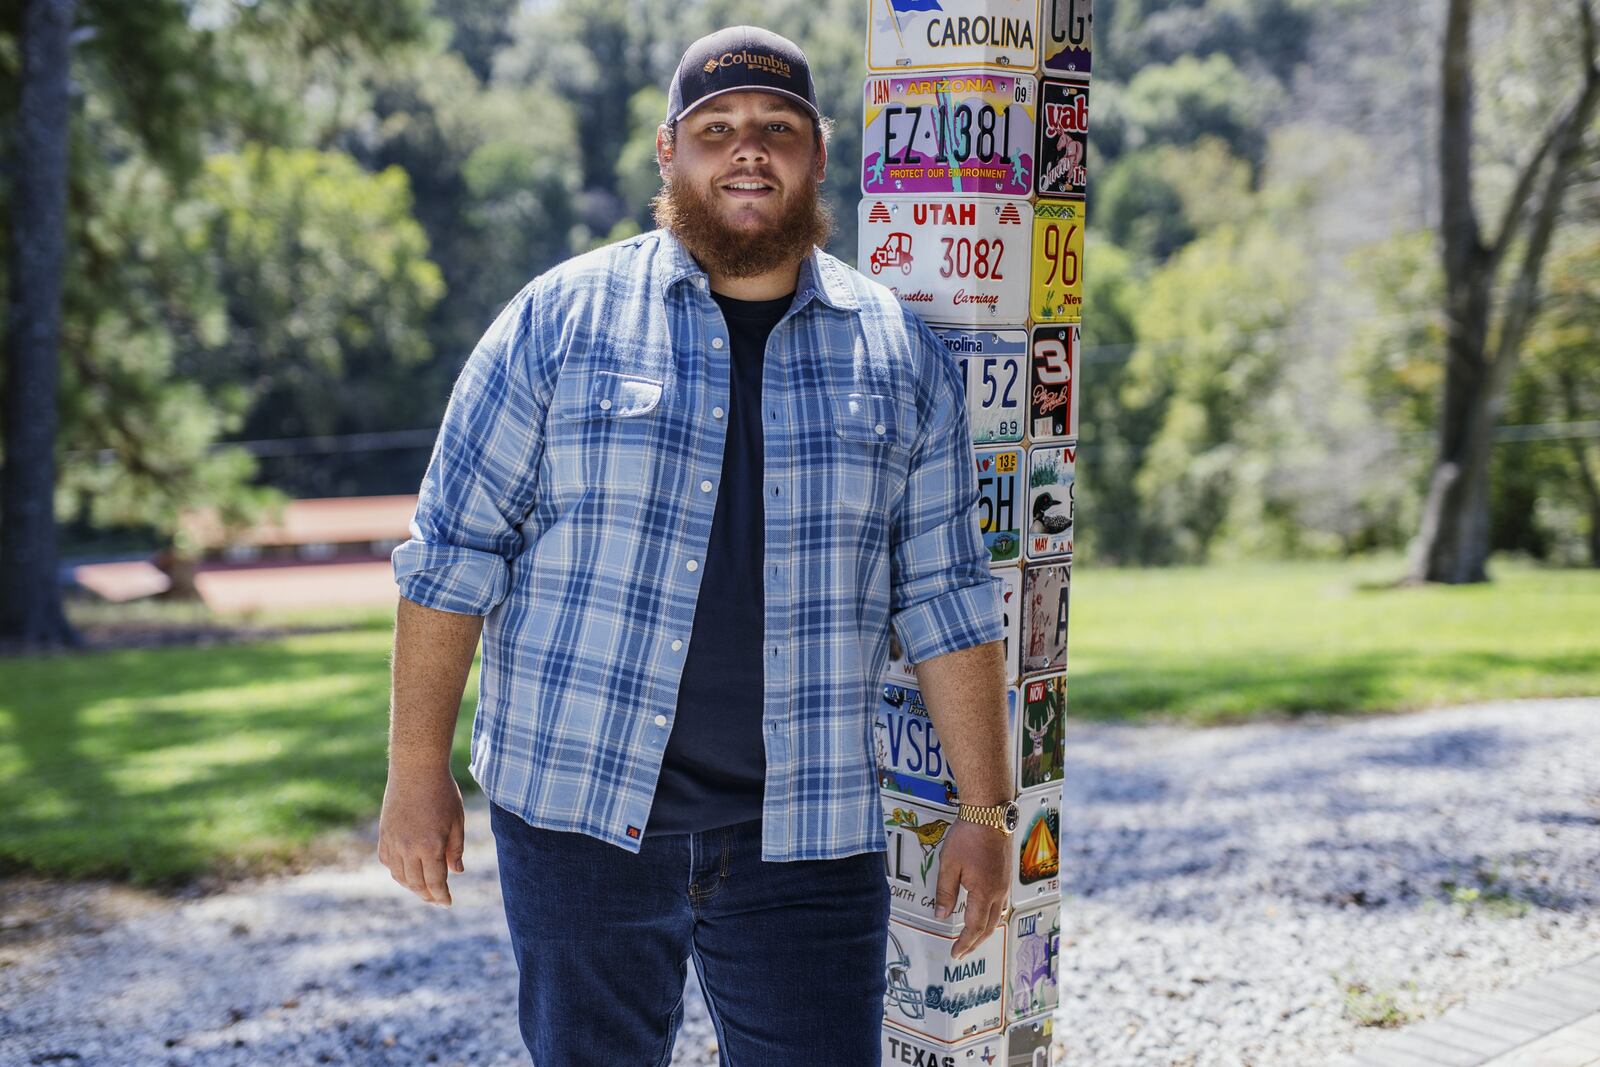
column 569, row 499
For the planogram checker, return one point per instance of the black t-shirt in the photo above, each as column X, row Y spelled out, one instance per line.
column 714, row 769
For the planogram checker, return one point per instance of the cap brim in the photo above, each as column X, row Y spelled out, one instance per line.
column 796, row 97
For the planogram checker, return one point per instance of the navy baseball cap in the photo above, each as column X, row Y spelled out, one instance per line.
column 740, row 57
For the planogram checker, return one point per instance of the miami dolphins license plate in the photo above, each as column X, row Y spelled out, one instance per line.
column 934, row 996
column 953, row 262
column 961, row 133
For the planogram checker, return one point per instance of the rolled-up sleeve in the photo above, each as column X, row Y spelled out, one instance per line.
column 482, row 477
column 942, row 596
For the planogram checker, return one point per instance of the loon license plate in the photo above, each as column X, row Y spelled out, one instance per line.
column 901, row 1049
column 1057, row 289
column 953, row 262
column 1053, row 383
column 915, row 834
column 1039, row 741
column 1011, row 616
column 1036, row 867
column 1066, row 32
column 999, row 491
column 910, row 762
column 1045, row 591
column 1050, row 500
column 1062, row 161
column 928, row 34
column 1033, row 972
column 1028, row 1044
column 994, row 371
column 934, row 996
column 956, row 133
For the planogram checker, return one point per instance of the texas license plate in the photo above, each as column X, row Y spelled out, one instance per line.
column 1057, row 289
column 1011, row 616
column 955, row 133
column 901, row 1049
column 999, row 490
column 1053, row 383
column 1039, row 741
column 994, row 367
column 1033, row 969
column 1050, row 500
column 1066, row 31
column 1045, row 589
column 910, row 761
column 925, row 34
column 953, row 262
column 1062, row 161
column 934, row 996
column 915, row 834
column 1036, row 855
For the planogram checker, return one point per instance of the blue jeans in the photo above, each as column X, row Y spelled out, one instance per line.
column 790, row 955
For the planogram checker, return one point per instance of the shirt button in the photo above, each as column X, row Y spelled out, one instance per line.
column 716, row 413
column 879, row 428
column 716, row 342
column 661, row 720
column 701, row 281
column 676, row 645
column 605, row 405
column 692, row 565
column 705, row 486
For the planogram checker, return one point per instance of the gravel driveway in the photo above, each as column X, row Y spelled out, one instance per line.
column 1236, row 896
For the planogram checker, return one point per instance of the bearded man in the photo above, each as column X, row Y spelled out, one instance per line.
column 685, row 485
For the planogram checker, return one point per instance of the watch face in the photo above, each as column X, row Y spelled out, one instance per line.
column 1011, row 817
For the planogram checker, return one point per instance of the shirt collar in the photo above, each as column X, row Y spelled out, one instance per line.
column 821, row 275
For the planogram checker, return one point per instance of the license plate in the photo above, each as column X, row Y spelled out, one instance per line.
column 910, row 761
column 924, row 34
column 934, row 996
column 1050, row 500
column 901, row 1049
column 1053, row 383
column 1057, row 289
column 1011, row 615
column 1045, row 589
column 1028, row 1044
column 899, row 669
column 999, row 490
column 1033, row 972
column 956, row 133
column 1062, row 160
column 994, row 373
column 1036, row 867
column 915, row 834
column 953, row 262
column 1039, row 741
column 1067, row 36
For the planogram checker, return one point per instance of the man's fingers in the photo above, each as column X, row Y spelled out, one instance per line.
column 944, row 896
column 982, row 918
column 455, row 847
column 436, row 880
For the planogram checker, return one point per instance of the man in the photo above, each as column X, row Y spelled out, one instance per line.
column 691, row 479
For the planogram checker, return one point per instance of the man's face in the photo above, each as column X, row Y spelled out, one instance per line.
column 742, row 177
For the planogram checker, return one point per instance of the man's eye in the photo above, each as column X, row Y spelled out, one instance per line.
column 781, row 127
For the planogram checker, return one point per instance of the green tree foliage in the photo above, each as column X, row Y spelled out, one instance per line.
column 1156, row 200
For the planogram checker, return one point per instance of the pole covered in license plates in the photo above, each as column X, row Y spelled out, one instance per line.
column 974, row 180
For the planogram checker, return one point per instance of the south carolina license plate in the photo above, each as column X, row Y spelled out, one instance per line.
column 1053, row 383
column 1033, row 962
column 927, row 34
column 915, row 834
column 953, row 262
column 1050, row 500
column 999, row 489
column 934, row 996
column 1067, row 32
column 994, row 370
column 956, row 133
column 1058, row 261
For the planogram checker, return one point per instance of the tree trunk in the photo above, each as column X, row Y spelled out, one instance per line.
column 30, row 591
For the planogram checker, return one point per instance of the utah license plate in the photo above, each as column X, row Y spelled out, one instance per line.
column 953, row 262
column 955, row 133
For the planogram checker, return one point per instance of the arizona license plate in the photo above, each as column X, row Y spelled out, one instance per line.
column 925, row 34
column 960, row 133
column 994, row 372
column 910, row 762
column 1036, row 854
column 1033, row 962
column 1050, row 500
column 1057, row 284
column 934, row 996
column 901, row 1049
column 915, row 834
column 1028, row 1044
column 953, row 262
column 1045, row 591
column 1053, row 383
column 1011, row 616
column 1039, row 741
column 1067, row 34
column 999, row 471
column 1062, row 160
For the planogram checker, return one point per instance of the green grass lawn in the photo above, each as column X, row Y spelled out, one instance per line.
column 156, row 765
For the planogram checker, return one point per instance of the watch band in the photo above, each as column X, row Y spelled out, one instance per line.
column 993, row 816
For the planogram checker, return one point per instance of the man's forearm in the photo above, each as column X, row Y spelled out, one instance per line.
column 433, row 653
column 965, row 694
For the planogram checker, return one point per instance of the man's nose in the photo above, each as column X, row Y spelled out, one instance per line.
column 752, row 147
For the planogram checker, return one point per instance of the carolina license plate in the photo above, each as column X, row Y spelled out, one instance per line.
column 910, row 762
column 934, row 996
column 915, row 834
column 953, row 262
column 1034, row 960
column 1067, row 35
column 994, row 365
column 924, row 34
column 1050, row 500
column 1036, row 863
column 1028, row 1044
column 901, row 1049
column 956, row 133
column 1045, row 588
column 1062, row 161
column 1057, row 289
column 1011, row 615
column 1053, row 383
column 999, row 490
column 1044, row 715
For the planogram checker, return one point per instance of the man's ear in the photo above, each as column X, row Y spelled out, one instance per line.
column 822, row 160
column 663, row 149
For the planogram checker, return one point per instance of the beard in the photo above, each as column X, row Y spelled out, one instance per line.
column 737, row 252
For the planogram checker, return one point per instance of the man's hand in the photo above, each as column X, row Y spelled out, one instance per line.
column 421, row 831
column 979, row 858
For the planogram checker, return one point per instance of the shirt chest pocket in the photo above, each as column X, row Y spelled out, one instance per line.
column 609, row 422
column 870, row 446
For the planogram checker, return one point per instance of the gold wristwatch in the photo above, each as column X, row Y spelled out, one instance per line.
column 1002, row 817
